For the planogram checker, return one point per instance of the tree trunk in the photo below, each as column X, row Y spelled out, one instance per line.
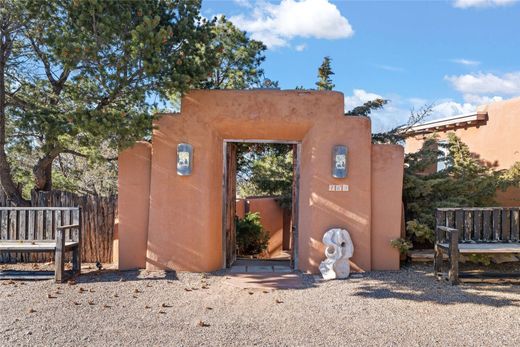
column 43, row 171
column 10, row 188
column 6, row 179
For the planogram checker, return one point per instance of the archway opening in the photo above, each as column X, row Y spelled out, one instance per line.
column 260, row 206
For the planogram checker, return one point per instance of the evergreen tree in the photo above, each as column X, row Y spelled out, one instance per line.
column 238, row 59
column 324, row 75
column 367, row 108
column 265, row 169
column 78, row 75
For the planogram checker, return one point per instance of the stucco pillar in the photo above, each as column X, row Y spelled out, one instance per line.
column 133, row 206
column 387, row 185
column 322, row 208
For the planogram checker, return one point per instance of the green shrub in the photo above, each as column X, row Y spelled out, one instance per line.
column 419, row 232
column 483, row 259
column 402, row 245
column 251, row 237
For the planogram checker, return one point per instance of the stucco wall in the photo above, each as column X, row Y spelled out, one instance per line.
column 133, row 205
column 240, row 210
column 185, row 212
column 271, row 216
column 496, row 142
column 274, row 219
column 387, row 179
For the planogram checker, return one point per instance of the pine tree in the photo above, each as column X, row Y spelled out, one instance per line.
column 79, row 75
column 238, row 59
column 324, row 74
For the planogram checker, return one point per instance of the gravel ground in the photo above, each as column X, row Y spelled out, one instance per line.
column 405, row 308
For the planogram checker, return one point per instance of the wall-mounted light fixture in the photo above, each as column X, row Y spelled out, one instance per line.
column 339, row 161
column 184, row 159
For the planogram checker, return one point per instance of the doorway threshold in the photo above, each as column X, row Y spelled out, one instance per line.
column 260, row 266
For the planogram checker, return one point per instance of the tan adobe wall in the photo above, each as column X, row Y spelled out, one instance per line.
column 185, row 212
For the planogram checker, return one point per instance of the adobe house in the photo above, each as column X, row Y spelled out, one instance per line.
column 491, row 134
column 176, row 193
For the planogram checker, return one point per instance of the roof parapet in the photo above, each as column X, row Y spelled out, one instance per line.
column 450, row 123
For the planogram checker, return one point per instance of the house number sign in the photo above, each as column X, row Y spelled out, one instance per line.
column 184, row 159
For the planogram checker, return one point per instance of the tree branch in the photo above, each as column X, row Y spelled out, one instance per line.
column 78, row 154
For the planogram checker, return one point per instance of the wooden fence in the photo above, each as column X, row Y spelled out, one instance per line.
column 98, row 217
column 482, row 223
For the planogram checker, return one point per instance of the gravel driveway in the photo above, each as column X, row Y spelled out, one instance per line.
column 406, row 308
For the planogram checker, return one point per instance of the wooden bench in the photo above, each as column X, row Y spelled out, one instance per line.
column 52, row 230
column 494, row 230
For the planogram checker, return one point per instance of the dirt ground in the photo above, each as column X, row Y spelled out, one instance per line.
column 404, row 308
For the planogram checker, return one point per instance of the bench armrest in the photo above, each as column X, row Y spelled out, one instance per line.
column 453, row 238
column 442, row 234
column 60, row 231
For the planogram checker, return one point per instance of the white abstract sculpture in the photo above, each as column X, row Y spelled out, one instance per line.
column 338, row 249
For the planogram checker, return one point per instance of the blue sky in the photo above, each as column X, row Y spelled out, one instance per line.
column 456, row 54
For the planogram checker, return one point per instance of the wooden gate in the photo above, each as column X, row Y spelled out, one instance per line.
column 295, row 207
column 229, row 202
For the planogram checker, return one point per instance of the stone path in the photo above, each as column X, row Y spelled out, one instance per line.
column 266, row 274
column 260, row 269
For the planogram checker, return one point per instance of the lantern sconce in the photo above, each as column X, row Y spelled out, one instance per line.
column 184, row 159
column 339, row 161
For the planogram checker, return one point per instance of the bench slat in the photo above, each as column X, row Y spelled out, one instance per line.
column 26, row 275
column 497, row 224
column 485, row 248
column 49, row 231
column 33, row 246
column 468, row 225
column 70, row 226
column 39, row 208
column 477, row 225
column 506, row 224
column 515, row 225
column 487, row 226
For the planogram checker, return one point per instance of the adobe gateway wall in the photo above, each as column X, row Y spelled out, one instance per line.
column 183, row 223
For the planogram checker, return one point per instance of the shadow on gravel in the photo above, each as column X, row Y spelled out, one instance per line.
column 125, row 276
column 419, row 285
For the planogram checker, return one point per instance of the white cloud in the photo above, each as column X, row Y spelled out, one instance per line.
column 466, row 62
column 450, row 108
column 486, row 87
column 398, row 110
column 389, row 68
column 481, row 99
column 243, row 3
column 359, row 97
column 277, row 24
column 482, row 3
column 394, row 114
column 300, row 48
